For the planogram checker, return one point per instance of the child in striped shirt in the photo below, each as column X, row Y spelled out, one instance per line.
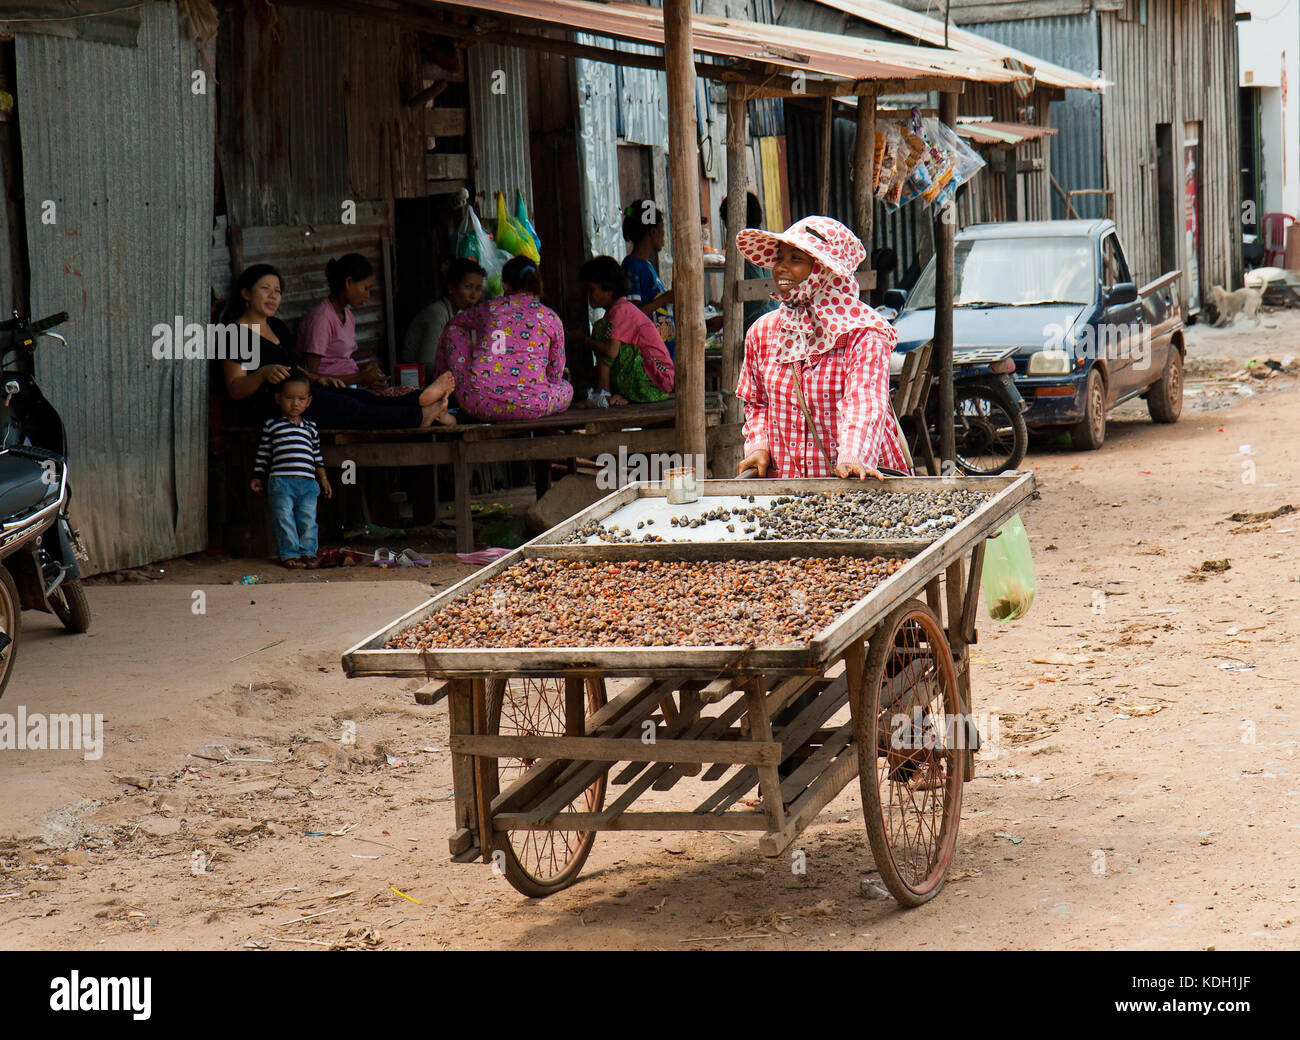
column 289, row 456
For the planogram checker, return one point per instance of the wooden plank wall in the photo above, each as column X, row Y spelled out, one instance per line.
column 985, row 197
column 1180, row 66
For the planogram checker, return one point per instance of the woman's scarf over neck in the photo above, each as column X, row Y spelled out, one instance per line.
column 817, row 312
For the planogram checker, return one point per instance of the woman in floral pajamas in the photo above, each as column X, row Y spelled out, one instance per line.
column 507, row 354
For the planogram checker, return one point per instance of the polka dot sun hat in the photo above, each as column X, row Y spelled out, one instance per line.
column 826, row 240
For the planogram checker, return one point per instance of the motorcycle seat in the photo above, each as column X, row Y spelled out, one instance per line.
column 23, row 484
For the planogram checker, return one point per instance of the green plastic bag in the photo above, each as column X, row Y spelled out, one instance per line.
column 1009, row 580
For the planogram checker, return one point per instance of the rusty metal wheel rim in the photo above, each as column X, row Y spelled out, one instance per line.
column 1176, row 383
column 1098, row 398
column 918, row 763
column 535, row 707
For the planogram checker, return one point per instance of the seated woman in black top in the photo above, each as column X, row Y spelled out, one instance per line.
column 334, row 405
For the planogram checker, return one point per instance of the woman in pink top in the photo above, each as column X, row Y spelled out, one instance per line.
column 327, row 336
column 632, row 362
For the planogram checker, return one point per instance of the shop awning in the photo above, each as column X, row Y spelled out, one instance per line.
column 929, row 30
column 815, row 54
column 986, row 131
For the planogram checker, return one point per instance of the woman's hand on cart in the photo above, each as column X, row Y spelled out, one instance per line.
column 758, row 461
column 857, row 469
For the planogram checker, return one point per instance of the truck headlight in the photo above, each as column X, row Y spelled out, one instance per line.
column 1049, row 363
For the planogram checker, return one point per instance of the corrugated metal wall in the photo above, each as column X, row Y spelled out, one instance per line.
column 498, row 114
column 1072, row 41
column 115, row 137
column 1181, row 66
column 985, row 196
column 900, row 230
column 310, row 102
column 598, row 153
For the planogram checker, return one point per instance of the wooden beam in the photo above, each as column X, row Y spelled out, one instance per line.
column 828, row 124
column 945, row 236
column 733, row 313
column 864, row 155
column 614, row 749
column 688, row 253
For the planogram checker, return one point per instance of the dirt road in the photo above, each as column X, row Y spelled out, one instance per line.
column 1143, row 797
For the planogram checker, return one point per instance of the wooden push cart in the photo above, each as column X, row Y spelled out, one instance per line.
column 551, row 745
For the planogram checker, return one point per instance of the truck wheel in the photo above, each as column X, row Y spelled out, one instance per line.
column 1165, row 398
column 1089, row 433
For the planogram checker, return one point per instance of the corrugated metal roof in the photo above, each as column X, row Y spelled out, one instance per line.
column 821, row 54
column 98, row 21
column 127, row 158
column 987, row 131
column 932, row 31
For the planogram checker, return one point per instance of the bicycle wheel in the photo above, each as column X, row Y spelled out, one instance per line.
column 909, row 752
column 539, row 862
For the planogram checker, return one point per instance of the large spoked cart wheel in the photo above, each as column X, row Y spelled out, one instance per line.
column 911, row 768
column 538, row 862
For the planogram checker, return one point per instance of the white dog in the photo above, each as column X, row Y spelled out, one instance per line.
column 1230, row 304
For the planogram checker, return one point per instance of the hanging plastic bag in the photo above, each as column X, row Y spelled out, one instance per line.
column 512, row 236
column 1009, row 580
column 521, row 215
column 474, row 243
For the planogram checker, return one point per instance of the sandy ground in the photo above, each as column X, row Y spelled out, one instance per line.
column 1172, row 824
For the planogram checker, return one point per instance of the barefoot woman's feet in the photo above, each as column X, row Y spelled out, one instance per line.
column 436, row 413
column 617, row 399
column 438, row 390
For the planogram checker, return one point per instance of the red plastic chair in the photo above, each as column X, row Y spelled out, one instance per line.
column 1275, row 225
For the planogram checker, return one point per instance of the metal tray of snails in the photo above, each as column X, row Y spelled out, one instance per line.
column 702, row 607
column 897, row 509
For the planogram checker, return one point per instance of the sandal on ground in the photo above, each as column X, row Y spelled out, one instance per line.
column 384, row 558
column 295, row 564
column 413, row 558
column 312, row 563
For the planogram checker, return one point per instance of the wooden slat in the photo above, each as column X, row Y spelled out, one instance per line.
column 581, row 774
column 460, row 713
column 816, row 798
column 815, row 763
column 432, row 693
column 607, row 749
column 644, row 821
column 608, row 719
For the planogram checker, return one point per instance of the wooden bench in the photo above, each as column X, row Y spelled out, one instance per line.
column 646, row 429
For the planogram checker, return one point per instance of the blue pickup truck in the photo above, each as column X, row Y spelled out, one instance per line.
column 1057, row 298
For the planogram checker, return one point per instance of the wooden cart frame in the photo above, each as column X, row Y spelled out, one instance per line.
column 703, row 711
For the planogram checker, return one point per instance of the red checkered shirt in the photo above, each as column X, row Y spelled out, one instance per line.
column 847, row 392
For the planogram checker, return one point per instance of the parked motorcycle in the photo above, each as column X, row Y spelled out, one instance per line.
column 39, row 549
column 988, row 422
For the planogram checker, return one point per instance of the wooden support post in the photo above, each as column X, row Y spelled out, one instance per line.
column 482, row 810
column 733, row 314
column 460, row 719
column 575, row 706
column 760, row 729
column 688, row 253
column 464, row 518
column 1011, row 185
column 864, row 156
column 945, row 234
column 955, row 592
column 828, row 125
